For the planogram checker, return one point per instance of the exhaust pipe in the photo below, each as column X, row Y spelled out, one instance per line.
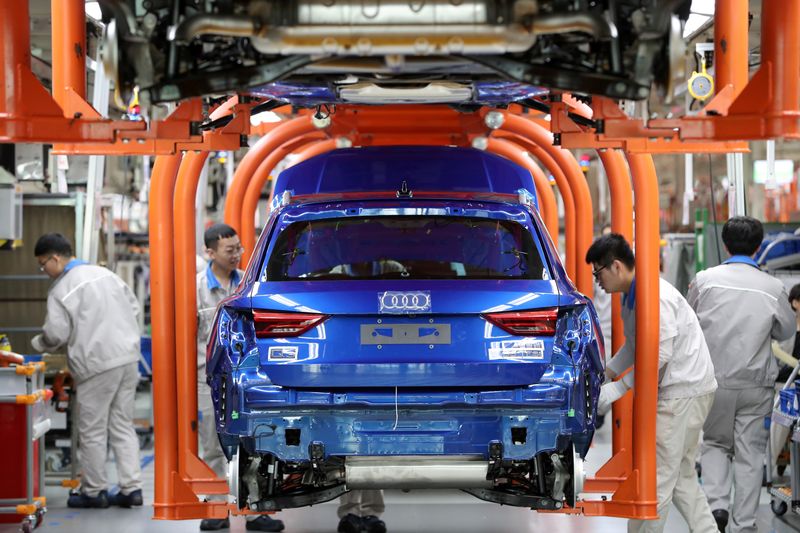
column 439, row 30
column 416, row 472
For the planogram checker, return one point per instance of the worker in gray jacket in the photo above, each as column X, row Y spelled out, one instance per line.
column 685, row 384
column 92, row 313
column 215, row 283
column 741, row 309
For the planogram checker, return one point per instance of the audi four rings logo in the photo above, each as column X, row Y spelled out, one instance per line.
column 404, row 302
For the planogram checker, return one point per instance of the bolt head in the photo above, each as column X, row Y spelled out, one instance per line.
column 494, row 120
column 321, row 123
column 480, row 143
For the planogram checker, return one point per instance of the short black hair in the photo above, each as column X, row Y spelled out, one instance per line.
column 794, row 294
column 52, row 243
column 609, row 248
column 742, row 235
column 217, row 232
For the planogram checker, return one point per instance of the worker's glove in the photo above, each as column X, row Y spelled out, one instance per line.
column 610, row 393
column 38, row 343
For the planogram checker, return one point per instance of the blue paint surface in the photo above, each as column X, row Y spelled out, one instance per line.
column 326, row 256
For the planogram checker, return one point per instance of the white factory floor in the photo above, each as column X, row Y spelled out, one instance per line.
column 413, row 512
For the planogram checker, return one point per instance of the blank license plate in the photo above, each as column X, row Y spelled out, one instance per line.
column 405, row 333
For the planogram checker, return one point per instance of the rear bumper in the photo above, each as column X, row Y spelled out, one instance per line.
column 284, row 422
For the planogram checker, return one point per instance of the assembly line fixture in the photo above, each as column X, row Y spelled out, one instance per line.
column 767, row 107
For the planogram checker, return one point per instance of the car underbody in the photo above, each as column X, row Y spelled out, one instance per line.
column 461, row 52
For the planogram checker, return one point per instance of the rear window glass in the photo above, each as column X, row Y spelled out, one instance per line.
column 405, row 247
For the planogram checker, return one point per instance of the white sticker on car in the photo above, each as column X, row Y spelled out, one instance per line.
column 527, row 349
column 283, row 353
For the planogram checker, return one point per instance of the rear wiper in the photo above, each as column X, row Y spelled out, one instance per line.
column 293, row 255
column 521, row 256
column 516, row 253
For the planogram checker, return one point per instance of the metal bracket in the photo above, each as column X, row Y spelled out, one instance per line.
column 558, row 78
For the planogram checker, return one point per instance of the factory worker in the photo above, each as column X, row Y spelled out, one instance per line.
column 686, row 384
column 92, row 313
column 741, row 309
column 215, row 282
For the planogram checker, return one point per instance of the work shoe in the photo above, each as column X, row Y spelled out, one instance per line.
column 350, row 523
column 81, row 500
column 214, row 524
column 126, row 500
column 721, row 517
column 264, row 523
column 373, row 524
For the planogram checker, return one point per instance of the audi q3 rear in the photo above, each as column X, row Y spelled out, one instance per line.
column 405, row 322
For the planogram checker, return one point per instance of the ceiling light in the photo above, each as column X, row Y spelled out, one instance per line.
column 93, row 10
column 694, row 23
column 265, row 116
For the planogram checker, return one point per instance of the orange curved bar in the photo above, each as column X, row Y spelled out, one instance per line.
column 318, row 148
column 162, row 306
column 566, row 196
column 186, row 302
column 645, row 186
column 577, row 183
column 548, row 207
column 249, row 164
column 256, row 185
column 314, row 148
column 619, row 185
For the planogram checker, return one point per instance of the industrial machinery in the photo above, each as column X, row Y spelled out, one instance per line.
column 446, row 51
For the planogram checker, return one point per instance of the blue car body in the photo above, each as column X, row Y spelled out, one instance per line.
column 404, row 302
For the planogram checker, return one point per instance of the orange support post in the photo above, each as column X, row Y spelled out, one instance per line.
column 162, row 310
column 631, row 476
column 645, row 186
column 255, row 185
column 619, row 184
column 15, row 49
column 730, row 45
column 547, row 201
column 248, row 165
column 186, row 302
column 577, row 183
column 69, row 52
column 566, row 196
column 780, row 51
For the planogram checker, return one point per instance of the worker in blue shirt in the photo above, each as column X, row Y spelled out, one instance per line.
column 91, row 313
column 741, row 309
column 215, row 283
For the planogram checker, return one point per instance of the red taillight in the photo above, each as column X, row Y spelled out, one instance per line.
column 541, row 322
column 270, row 325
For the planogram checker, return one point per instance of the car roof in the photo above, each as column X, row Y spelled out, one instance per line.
column 421, row 168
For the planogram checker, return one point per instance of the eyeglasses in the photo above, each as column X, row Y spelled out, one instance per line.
column 239, row 250
column 596, row 273
column 44, row 263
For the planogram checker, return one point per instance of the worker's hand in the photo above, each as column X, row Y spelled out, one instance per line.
column 610, row 393
column 38, row 343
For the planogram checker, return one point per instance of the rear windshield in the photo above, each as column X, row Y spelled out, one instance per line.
column 405, row 247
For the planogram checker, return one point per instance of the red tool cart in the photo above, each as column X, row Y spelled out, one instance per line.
column 23, row 423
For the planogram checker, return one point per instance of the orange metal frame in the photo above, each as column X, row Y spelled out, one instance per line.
column 544, row 191
column 765, row 107
column 570, row 264
column 29, row 114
